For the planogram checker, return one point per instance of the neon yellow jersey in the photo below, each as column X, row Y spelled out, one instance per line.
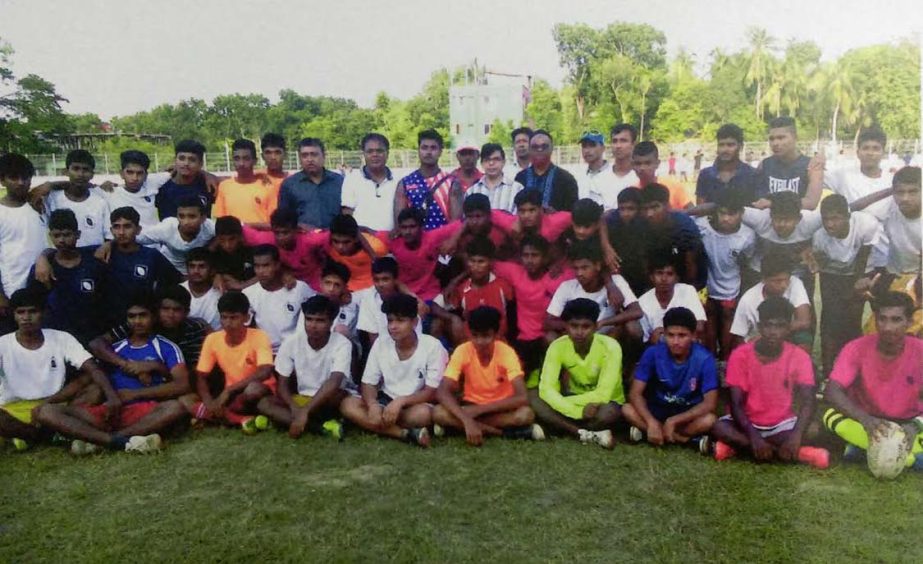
column 594, row 379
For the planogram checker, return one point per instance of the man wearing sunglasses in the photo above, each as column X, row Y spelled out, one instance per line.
column 558, row 187
column 598, row 182
column 368, row 193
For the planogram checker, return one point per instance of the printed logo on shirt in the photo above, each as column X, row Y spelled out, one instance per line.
column 89, row 221
column 87, row 285
column 140, row 271
column 54, row 363
column 147, row 199
column 419, row 374
column 784, row 184
column 290, row 307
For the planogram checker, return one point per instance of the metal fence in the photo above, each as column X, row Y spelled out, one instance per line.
column 108, row 163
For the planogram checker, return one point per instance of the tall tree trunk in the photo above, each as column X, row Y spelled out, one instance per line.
column 581, row 104
column 759, row 96
column 836, row 111
column 643, row 110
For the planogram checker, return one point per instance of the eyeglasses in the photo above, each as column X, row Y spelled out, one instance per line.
column 540, row 147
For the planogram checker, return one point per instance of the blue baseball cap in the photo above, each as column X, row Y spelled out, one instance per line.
column 594, row 136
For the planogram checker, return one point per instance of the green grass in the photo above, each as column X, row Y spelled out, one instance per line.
column 216, row 495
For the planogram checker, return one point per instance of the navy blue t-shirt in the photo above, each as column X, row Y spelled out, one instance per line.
column 673, row 386
column 171, row 194
column 144, row 269
column 678, row 235
column 77, row 297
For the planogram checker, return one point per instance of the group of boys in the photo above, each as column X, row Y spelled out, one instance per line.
column 464, row 302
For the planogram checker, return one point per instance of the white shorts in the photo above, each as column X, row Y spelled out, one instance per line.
column 780, row 427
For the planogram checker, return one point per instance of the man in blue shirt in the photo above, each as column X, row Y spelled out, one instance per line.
column 728, row 172
column 315, row 193
column 673, row 232
column 675, row 389
column 188, row 180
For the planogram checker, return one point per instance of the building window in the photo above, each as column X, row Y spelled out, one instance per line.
column 457, row 128
column 486, row 128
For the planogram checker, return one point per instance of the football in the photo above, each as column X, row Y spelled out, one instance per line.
column 888, row 450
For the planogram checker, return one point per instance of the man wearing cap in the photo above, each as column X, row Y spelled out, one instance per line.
column 558, row 187
column 467, row 172
column 598, row 182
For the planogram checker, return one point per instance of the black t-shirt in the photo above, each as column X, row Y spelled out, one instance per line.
column 779, row 176
column 563, row 186
column 238, row 265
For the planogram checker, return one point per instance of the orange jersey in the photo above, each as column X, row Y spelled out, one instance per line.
column 250, row 202
column 238, row 362
column 359, row 263
column 484, row 384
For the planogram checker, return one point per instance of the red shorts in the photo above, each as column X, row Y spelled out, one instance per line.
column 131, row 413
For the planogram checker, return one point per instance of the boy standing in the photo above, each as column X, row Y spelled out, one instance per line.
column 787, row 169
column 140, row 188
column 190, row 228
column 248, row 196
column 372, row 319
column 275, row 307
column 91, row 209
column 729, row 174
column 187, row 183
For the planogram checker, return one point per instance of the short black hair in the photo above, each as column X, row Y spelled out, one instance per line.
column 524, row 197
column 432, row 135
column 228, row 225
column 661, row 258
column 344, row 224
column 730, row 200
column 483, row 319
column 14, row 165
column 783, row 121
column 312, row 142
column 894, row 299
column 321, row 304
column 200, row 254
column 655, row 193
column 410, row 213
column 81, row 156
column 834, row 203
column 630, row 194
column 147, row 299
column 580, row 308
column 338, row 269
column 480, row 246
column 272, row 140
column 907, row 175
column 30, row 296
column 385, row 264
column 133, row 156
column 234, row 302
column 775, row 307
column 476, row 202
column 620, row 127
column 679, row 317
column 174, row 293
column 785, row 204
column 586, row 212
column 730, row 131
column 190, row 146
column 283, row 217
column 645, row 148
column 776, row 262
column 542, row 132
column 488, row 149
column 62, row 219
column 191, row 202
column 375, row 137
column 244, row 144
column 535, row 241
column 266, row 250
column 125, row 212
column 400, row 305
column 520, row 131
column 872, row 133
column 585, row 250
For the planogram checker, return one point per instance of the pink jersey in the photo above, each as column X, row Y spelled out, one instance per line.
column 417, row 267
column 532, row 297
column 553, row 224
column 770, row 388
column 303, row 259
column 882, row 387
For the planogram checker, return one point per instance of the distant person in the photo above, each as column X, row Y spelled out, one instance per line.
column 598, row 182
column 368, row 194
column 435, row 192
column 558, row 187
column 645, row 160
column 728, row 173
column 788, row 170
column 314, row 192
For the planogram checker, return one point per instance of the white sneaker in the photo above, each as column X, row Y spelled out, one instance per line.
column 80, row 448
column 635, row 434
column 538, row 434
column 438, row 431
column 604, row 438
column 144, row 444
column 585, row 436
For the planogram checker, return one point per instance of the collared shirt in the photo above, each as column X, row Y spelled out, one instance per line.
column 603, row 185
column 563, row 186
column 501, row 196
column 746, row 181
column 457, row 173
column 316, row 204
column 371, row 202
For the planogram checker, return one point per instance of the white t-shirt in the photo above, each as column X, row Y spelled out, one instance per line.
column 205, row 307
column 23, row 237
column 725, row 252
column 399, row 378
column 371, row 318
column 277, row 312
column 603, row 186
column 32, row 375
column 142, row 200
column 761, row 222
column 571, row 290
column 312, row 368
column 171, row 244
column 837, row 256
column 852, row 184
column 684, row 295
column 371, row 203
column 899, row 250
column 747, row 317
column 92, row 215
column 347, row 317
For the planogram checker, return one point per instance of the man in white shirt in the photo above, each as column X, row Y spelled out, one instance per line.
column 368, row 192
column 404, row 370
column 320, row 360
column 275, row 307
column 23, row 235
column 598, row 181
column 500, row 189
column 622, row 141
column 857, row 182
column 372, row 320
column 140, row 188
column 200, row 285
column 667, row 293
column 91, row 209
column 176, row 236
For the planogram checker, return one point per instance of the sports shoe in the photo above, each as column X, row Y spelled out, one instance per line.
column 604, row 439
column 704, row 444
column 438, row 431
column 418, row 436
column 529, row 432
column 145, row 444
column 585, row 436
column 814, row 456
column 82, row 448
column 538, row 434
column 723, row 451
column 20, row 444
column 332, row 428
column 636, row 435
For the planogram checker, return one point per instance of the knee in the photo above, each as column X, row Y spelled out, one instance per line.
column 420, row 415
column 523, row 416
column 441, row 415
column 255, row 390
column 608, row 414
column 174, row 408
column 45, row 412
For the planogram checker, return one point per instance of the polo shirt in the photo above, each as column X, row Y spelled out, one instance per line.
column 316, row 204
column 746, row 181
column 371, row 202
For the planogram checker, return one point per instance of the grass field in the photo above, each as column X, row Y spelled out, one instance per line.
column 217, row 495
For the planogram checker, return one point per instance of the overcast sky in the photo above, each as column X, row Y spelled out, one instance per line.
column 116, row 57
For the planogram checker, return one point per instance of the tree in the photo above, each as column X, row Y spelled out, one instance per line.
column 761, row 47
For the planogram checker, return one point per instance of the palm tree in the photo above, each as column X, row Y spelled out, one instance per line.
column 644, row 81
column 761, row 46
column 842, row 92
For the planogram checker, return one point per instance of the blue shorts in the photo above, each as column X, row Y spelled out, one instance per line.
column 663, row 411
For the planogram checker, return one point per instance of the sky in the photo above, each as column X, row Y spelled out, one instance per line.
column 117, row 57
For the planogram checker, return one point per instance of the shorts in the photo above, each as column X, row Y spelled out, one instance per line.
column 767, row 431
column 384, row 399
column 301, row 400
column 725, row 304
column 131, row 413
column 662, row 412
column 22, row 410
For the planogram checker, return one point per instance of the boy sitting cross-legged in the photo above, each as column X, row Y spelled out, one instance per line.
column 493, row 394
column 401, row 376
column 580, row 389
column 766, row 377
column 320, row 360
column 675, row 388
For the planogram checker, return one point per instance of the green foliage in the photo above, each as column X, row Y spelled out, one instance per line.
column 500, row 132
